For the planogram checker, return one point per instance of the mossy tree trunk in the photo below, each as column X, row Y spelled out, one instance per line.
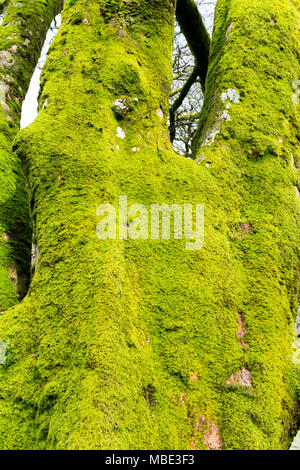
column 140, row 344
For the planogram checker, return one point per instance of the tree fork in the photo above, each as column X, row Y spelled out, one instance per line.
column 22, row 35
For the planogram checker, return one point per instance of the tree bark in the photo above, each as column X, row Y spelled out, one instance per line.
column 137, row 344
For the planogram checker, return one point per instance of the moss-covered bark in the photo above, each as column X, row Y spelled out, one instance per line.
column 22, row 34
column 141, row 344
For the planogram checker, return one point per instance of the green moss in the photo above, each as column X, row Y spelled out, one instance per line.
column 255, row 53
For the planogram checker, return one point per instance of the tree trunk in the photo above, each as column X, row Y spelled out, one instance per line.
column 142, row 344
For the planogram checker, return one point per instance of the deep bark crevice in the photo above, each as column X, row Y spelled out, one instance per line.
column 124, row 343
column 193, row 28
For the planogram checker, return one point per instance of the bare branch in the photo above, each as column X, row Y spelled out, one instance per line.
column 3, row 6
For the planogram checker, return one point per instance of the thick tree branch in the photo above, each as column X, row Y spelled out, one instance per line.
column 192, row 26
column 178, row 102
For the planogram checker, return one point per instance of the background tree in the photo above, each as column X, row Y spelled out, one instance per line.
column 186, row 98
column 142, row 344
